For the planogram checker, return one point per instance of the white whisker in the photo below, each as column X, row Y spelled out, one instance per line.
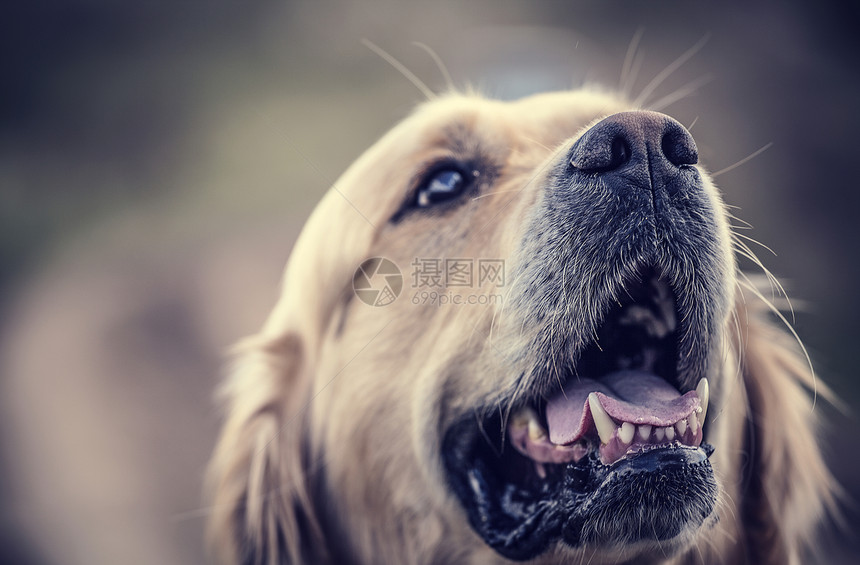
column 681, row 93
column 449, row 82
column 496, row 192
column 410, row 76
column 744, row 250
column 742, row 161
column 536, row 142
column 746, row 224
column 760, row 244
column 694, row 122
column 627, row 70
column 665, row 73
column 793, row 332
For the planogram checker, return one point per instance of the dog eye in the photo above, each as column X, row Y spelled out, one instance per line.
column 442, row 185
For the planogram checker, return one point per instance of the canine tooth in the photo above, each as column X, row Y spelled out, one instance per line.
column 540, row 469
column 536, row 431
column 694, row 423
column 659, row 433
column 670, row 433
column 703, row 390
column 605, row 425
column 523, row 416
column 681, row 426
column 644, row 431
column 626, row 432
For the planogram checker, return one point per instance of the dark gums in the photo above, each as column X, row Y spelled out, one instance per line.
column 520, row 519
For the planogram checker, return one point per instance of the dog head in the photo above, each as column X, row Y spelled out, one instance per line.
column 573, row 370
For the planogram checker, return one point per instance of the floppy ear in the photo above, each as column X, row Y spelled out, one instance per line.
column 787, row 488
column 261, row 496
column 262, row 506
column 263, row 509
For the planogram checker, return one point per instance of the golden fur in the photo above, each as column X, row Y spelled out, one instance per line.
column 335, row 410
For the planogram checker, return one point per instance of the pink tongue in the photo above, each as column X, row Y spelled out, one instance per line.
column 628, row 396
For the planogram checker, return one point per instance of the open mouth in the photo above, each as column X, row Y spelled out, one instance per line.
column 613, row 456
column 623, row 399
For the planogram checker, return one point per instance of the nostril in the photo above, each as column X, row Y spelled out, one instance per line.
column 601, row 151
column 678, row 147
column 634, row 144
column 620, row 153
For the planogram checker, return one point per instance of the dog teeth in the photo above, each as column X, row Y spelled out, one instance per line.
column 625, row 434
column 694, row 423
column 536, row 431
column 527, row 418
column 704, row 393
column 523, row 416
column 605, row 425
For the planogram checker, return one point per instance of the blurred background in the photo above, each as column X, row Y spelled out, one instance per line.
column 157, row 160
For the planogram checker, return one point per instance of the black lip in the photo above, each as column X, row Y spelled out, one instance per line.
column 672, row 488
column 583, row 503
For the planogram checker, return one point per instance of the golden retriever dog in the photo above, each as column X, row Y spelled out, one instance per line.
column 575, row 371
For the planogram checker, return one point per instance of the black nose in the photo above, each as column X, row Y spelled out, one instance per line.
column 641, row 148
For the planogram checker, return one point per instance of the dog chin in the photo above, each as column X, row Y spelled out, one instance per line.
column 653, row 500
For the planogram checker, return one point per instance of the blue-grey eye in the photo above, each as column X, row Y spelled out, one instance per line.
column 442, row 185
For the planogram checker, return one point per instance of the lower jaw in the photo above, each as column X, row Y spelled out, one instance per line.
column 656, row 496
column 650, row 499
